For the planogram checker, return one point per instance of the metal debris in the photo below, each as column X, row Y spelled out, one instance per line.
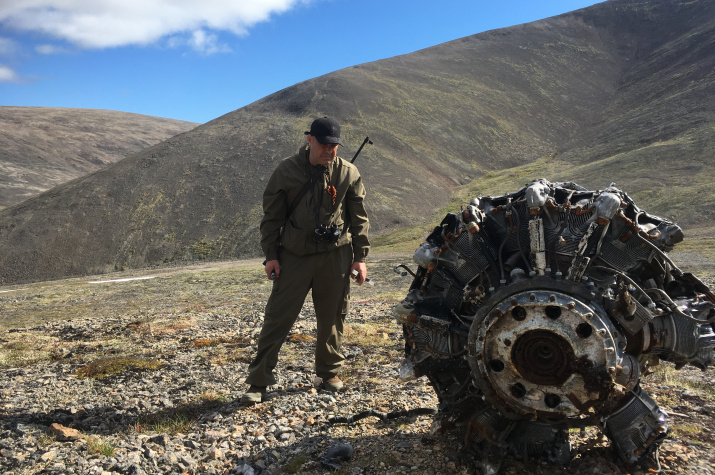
column 538, row 311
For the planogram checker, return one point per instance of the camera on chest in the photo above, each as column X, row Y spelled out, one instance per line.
column 325, row 233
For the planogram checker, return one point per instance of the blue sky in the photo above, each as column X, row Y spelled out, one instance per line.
column 196, row 60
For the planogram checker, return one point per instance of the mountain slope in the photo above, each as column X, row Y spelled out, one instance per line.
column 656, row 139
column 573, row 90
column 42, row 147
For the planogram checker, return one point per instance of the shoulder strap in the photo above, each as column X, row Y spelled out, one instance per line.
column 308, row 185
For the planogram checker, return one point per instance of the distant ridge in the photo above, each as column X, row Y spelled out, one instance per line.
column 42, row 147
column 620, row 91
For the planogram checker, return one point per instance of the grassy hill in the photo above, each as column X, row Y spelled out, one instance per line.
column 42, row 147
column 621, row 91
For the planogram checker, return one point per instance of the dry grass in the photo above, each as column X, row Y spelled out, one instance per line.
column 211, row 396
column 166, row 305
column 371, row 335
column 175, row 422
column 171, row 305
column 99, row 446
column 666, row 374
column 185, row 291
column 104, row 367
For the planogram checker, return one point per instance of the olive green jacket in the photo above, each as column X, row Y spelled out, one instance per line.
column 296, row 236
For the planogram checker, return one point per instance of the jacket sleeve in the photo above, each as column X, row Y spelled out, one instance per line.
column 274, row 212
column 359, row 223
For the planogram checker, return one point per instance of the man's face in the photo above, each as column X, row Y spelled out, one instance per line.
column 321, row 154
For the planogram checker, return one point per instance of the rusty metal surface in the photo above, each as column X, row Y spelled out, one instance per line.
column 538, row 311
column 540, row 352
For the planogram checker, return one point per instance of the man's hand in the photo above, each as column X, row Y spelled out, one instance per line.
column 361, row 269
column 273, row 269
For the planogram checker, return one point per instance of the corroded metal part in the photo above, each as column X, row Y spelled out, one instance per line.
column 538, row 311
column 545, row 353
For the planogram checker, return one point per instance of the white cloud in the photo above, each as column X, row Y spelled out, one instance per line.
column 207, row 43
column 200, row 41
column 51, row 49
column 108, row 23
column 8, row 75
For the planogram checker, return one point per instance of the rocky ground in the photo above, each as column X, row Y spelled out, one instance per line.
column 173, row 406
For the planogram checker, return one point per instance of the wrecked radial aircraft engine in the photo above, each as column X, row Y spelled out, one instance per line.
column 538, row 311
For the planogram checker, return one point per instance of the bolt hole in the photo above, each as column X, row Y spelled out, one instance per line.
column 553, row 312
column 519, row 313
column 545, row 353
column 552, row 400
column 496, row 366
column 584, row 330
column 518, row 390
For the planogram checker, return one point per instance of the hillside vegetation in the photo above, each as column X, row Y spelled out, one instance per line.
column 42, row 147
column 618, row 92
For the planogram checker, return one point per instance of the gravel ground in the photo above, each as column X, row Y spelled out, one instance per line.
column 184, row 416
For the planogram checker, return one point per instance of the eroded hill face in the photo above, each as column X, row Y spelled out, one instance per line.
column 42, row 147
column 579, row 95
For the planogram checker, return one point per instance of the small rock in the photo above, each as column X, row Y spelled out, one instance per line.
column 63, row 433
column 170, row 458
column 187, row 460
column 134, row 457
column 192, row 444
column 212, row 435
column 214, row 453
column 336, row 454
column 48, row 456
column 161, row 439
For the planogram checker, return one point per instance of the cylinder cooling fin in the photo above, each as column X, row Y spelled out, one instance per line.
column 538, row 311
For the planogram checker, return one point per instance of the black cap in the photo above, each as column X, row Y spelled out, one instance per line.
column 325, row 131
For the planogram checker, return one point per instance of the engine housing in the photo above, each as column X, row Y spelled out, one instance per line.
column 539, row 311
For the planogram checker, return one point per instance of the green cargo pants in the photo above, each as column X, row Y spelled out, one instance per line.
column 327, row 274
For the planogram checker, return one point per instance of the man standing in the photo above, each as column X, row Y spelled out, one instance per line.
column 314, row 233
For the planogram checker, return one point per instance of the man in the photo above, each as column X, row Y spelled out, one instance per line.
column 314, row 233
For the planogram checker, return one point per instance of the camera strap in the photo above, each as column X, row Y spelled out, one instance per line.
column 308, row 185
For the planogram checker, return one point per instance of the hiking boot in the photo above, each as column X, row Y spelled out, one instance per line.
column 254, row 395
column 332, row 385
